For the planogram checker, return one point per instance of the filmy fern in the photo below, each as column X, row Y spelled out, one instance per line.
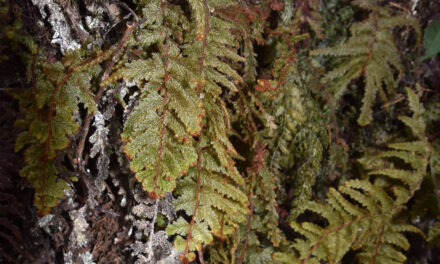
column 215, row 205
column 261, row 234
column 160, row 129
column 361, row 214
column 370, row 52
column 173, row 132
column 50, row 106
column 257, row 238
column 300, row 138
column 236, row 135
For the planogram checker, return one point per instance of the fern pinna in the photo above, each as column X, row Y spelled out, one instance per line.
column 361, row 214
column 370, row 52
column 176, row 136
column 50, row 107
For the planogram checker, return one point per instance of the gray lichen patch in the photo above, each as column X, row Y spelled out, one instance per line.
column 78, row 237
column 61, row 29
column 72, row 26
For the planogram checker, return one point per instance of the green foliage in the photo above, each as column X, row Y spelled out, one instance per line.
column 361, row 214
column 246, row 130
column 301, row 139
column 369, row 52
column 428, row 201
column 50, row 103
column 168, row 111
column 431, row 40
column 262, row 232
column 336, row 18
column 434, row 234
column 183, row 115
column 59, row 88
column 298, row 137
column 256, row 239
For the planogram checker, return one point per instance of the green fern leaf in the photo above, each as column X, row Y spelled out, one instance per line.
column 361, row 215
column 372, row 53
column 60, row 87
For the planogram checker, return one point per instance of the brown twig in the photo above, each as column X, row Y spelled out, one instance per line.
column 401, row 7
column 127, row 33
column 86, row 126
column 339, row 140
column 399, row 97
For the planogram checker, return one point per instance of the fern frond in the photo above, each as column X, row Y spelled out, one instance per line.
column 300, row 138
column 207, row 192
column 370, row 52
column 360, row 215
column 160, row 129
column 178, row 127
column 60, row 88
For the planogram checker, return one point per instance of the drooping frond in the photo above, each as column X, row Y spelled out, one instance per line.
column 208, row 193
column 60, row 87
column 159, row 131
column 178, row 127
column 370, row 52
column 361, row 214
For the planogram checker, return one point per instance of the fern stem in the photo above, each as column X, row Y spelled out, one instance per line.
column 197, row 198
column 251, row 214
column 283, row 76
column 379, row 241
column 244, row 107
column 222, row 224
column 337, row 228
column 257, row 164
column 338, row 139
column 290, row 59
column 201, row 259
column 205, row 38
column 199, row 144
column 34, row 77
column 167, row 76
column 318, row 242
column 162, row 135
column 371, row 45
